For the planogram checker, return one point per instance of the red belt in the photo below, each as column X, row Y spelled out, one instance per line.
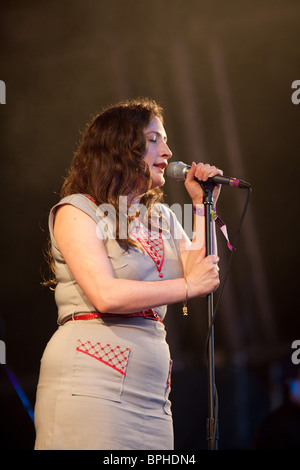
column 149, row 314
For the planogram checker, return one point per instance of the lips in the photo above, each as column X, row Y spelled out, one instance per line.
column 161, row 165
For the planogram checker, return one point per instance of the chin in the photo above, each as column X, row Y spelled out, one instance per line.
column 157, row 183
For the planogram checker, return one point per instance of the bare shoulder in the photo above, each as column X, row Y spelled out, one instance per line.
column 68, row 214
column 73, row 224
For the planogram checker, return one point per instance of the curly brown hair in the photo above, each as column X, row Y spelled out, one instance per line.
column 109, row 161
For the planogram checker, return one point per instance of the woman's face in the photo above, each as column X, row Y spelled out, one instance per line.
column 157, row 151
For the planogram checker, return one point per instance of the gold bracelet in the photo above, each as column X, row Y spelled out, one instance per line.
column 184, row 308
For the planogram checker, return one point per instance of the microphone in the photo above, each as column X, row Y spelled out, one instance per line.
column 179, row 170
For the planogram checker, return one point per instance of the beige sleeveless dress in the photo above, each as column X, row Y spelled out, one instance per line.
column 104, row 383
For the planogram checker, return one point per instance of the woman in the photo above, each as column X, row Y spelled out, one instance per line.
column 105, row 373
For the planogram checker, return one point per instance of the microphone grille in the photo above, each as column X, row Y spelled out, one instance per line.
column 177, row 170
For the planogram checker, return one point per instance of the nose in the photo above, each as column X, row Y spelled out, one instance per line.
column 165, row 151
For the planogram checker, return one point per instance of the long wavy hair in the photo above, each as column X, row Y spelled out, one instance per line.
column 109, row 161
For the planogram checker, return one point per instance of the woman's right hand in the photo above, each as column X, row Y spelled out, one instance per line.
column 203, row 277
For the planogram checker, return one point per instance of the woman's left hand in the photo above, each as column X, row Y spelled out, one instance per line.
column 202, row 172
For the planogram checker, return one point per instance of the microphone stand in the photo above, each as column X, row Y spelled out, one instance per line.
column 212, row 424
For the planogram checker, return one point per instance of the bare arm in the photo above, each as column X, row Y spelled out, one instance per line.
column 86, row 257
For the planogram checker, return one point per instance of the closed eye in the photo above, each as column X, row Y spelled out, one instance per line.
column 153, row 137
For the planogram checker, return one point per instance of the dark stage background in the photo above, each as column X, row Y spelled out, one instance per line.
column 223, row 72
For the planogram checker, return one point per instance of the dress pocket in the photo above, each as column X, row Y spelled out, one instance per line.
column 99, row 370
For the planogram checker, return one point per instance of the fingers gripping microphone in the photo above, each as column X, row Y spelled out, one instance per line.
column 179, row 170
